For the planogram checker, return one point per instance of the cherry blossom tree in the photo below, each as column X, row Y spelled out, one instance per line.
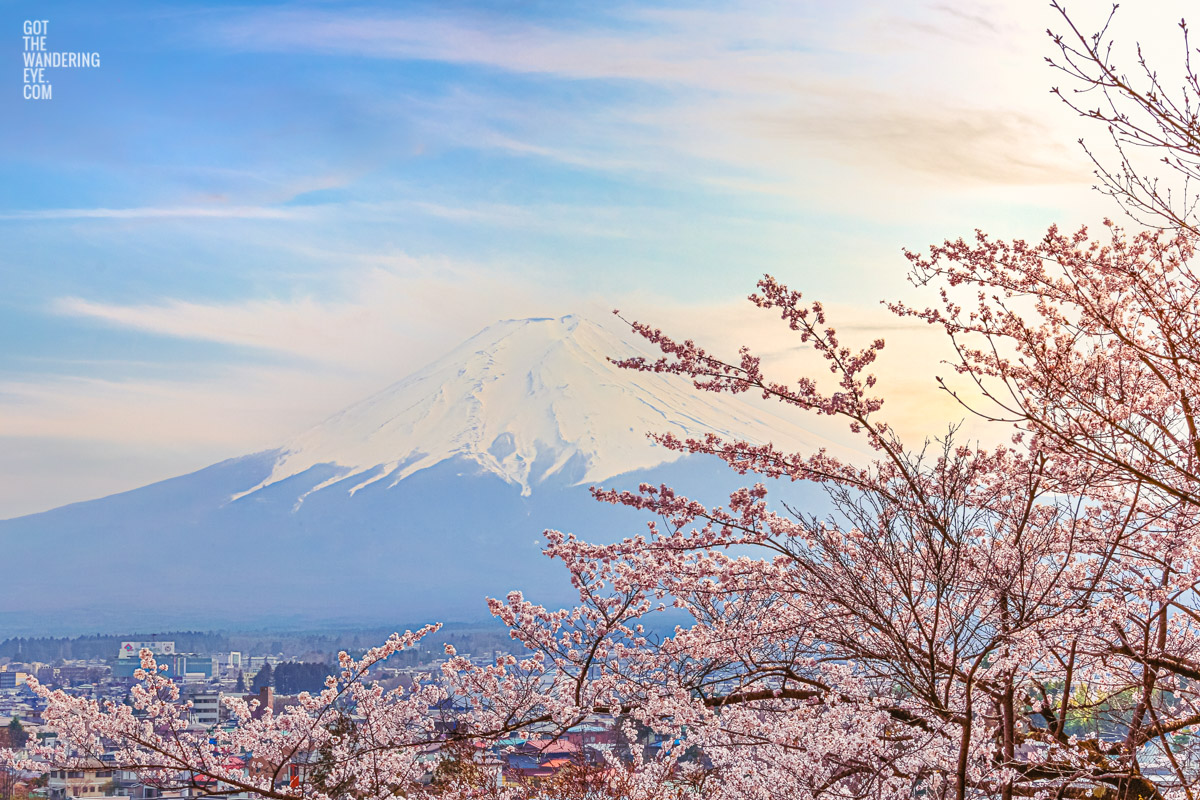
column 1151, row 118
column 966, row 622
column 969, row 622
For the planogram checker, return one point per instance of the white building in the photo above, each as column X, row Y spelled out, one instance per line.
column 206, row 710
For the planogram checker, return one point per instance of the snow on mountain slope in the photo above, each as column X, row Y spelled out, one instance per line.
column 454, row 471
column 529, row 400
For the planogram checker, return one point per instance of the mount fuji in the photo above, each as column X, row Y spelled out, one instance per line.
column 415, row 503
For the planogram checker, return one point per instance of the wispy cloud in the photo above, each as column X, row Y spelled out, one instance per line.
column 177, row 212
column 767, row 89
column 390, row 322
column 986, row 146
column 385, row 315
column 504, row 44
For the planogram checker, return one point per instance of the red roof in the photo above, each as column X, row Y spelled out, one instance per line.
column 553, row 746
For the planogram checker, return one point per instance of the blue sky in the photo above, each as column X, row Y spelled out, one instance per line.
column 252, row 214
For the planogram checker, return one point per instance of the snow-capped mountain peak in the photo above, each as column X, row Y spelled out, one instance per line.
column 529, row 400
column 423, row 499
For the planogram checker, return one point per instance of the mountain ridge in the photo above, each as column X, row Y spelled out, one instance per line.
column 414, row 503
column 510, row 398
